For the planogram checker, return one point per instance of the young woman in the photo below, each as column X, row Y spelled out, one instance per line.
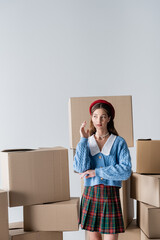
column 103, row 159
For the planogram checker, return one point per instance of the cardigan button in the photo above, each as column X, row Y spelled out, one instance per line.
column 100, row 157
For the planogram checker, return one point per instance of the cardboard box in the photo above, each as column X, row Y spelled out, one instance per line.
column 148, row 156
column 127, row 203
column 19, row 234
column 35, row 176
column 4, row 232
column 143, row 187
column 79, row 111
column 16, row 232
column 149, row 220
column 131, row 233
column 144, row 237
column 61, row 216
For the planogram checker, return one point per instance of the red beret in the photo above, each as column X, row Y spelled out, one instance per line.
column 105, row 102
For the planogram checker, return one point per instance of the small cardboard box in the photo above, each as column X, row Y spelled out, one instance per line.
column 60, row 216
column 79, row 111
column 148, row 156
column 16, row 232
column 143, row 187
column 127, row 203
column 4, row 232
column 35, row 176
column 149, row 220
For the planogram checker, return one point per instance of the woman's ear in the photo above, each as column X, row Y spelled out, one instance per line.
column 109, row 119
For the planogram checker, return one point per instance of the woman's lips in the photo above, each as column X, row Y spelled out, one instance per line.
column 99, row 125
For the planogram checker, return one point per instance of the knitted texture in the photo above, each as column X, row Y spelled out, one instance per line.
column 110, row 169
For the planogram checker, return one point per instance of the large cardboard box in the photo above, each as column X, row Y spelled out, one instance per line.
column 144, row 237
column 35, row 176
column 149, row 220
column 144, row 186
column 16, row 232
column 127, row 203
column 148, row 156
column 4, row 232
column 60, row 216
column 79, row 111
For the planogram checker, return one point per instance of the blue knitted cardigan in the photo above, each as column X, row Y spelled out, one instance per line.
column 112, row 164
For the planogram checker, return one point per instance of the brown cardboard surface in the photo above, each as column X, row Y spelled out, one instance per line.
column 127, row 203
column 37, row 176
column 4, row 233
column 132, row 232
column 15, row 225
column 149, row 220
column 148, row 156
column 144, row 237
column 60, row 216
column 143, row 187
column 79, row 111
column 20, row 234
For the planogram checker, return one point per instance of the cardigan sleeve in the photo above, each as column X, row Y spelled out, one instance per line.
column 122, row 169
column 82, row 161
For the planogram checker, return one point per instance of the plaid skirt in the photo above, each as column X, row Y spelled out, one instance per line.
column 100, row 210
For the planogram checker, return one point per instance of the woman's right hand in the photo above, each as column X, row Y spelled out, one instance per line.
column 84, row 133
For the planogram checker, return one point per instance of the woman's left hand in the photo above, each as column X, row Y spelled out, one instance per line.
column 89, row 173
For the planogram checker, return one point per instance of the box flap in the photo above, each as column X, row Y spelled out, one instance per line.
column 18, row 150
column 16, row 225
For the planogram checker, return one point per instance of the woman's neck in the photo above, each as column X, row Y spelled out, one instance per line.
column 101, row 132
column 101, row 135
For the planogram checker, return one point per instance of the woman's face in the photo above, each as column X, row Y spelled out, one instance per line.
column 100, row 118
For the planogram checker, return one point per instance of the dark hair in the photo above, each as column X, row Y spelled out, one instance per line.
column 110, row 125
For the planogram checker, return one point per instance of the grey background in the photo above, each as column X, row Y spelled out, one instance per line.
column 51, row 50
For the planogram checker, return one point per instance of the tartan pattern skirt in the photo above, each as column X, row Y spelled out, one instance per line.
column 100, row 210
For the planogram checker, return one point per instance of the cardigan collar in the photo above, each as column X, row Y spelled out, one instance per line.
column 94, row 148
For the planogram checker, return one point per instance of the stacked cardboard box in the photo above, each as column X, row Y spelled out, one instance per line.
column 16, row 232
column 35, row 176
column 60, row 216
column 145, row 188
column 38, row 180
column 4, row 233
column 79, row 111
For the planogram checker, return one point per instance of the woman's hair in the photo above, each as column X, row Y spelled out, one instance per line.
column 110, row 125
